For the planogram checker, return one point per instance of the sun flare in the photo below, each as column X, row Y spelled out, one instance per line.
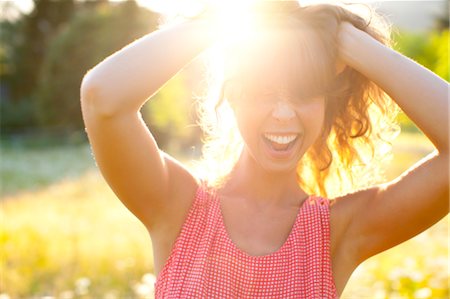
column 232, row 19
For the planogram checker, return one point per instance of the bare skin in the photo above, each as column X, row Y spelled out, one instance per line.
column 161, row 189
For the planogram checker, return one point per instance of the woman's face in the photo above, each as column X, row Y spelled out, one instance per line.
column 278, row 129
column 278, row 96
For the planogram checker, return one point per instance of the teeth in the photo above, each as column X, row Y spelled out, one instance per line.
column 281, row 139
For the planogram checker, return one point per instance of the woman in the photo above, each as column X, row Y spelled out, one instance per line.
column 306, row 89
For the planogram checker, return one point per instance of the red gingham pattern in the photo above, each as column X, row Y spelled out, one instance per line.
column 205, row 263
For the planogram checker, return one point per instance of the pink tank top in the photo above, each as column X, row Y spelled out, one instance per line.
column 205, row 263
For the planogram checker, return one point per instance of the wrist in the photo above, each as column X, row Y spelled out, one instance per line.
column 350, row 42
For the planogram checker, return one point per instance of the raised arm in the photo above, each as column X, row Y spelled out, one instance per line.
column 112, row 94
column 384, row 216
column 421, row 94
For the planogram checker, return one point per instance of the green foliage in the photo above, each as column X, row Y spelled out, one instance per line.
column 9, row 31
column 22, row 50
column 16, row 113
column 88, row 38
column 36, row 31
column 167, row 113
column 406, row 123
column 430, row 50
column 439, row 47
column 84, row 34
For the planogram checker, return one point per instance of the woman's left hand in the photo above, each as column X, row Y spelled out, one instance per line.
column 347, row 38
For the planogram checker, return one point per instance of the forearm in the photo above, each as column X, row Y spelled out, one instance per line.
column 422, row 95
column 126, row 79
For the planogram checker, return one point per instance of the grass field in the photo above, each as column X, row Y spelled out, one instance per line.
column 65, row 235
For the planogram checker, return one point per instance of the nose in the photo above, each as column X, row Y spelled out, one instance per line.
column 283, row 111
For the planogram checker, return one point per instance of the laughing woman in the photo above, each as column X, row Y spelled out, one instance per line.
column 310, row 90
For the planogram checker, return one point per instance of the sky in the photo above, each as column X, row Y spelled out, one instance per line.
column 27, row 5
column 421, row 12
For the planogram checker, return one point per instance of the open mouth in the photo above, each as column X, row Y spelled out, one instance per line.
column 280, row 143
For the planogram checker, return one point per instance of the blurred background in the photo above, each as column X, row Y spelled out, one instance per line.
column 64, row 234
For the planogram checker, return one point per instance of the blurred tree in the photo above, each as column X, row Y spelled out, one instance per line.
column 93, row 34
column 38, row 28
column 15, row 114
column 95, row 31
column 22, row 50
column 442, row 21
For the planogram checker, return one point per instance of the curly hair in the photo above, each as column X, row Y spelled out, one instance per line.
column 359, row 116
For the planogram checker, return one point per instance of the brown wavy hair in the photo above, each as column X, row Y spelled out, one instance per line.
column 359, row 116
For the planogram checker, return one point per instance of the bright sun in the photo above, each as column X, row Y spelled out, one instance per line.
column 233, row 17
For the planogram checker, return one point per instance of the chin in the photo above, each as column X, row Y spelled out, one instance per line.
column 280, row 168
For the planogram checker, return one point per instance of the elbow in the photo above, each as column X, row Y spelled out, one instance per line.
column 443, row 149
column 94, row 100
column 444, row 157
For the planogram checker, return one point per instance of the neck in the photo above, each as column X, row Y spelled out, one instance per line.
column 260, row 186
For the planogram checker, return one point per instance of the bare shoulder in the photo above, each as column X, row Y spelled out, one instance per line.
column 182, row 189
column 181, row 194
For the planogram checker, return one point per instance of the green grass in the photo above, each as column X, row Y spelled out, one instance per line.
column 31, row 168
column 73, row 231
column 68, row 236
column 417, row 268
